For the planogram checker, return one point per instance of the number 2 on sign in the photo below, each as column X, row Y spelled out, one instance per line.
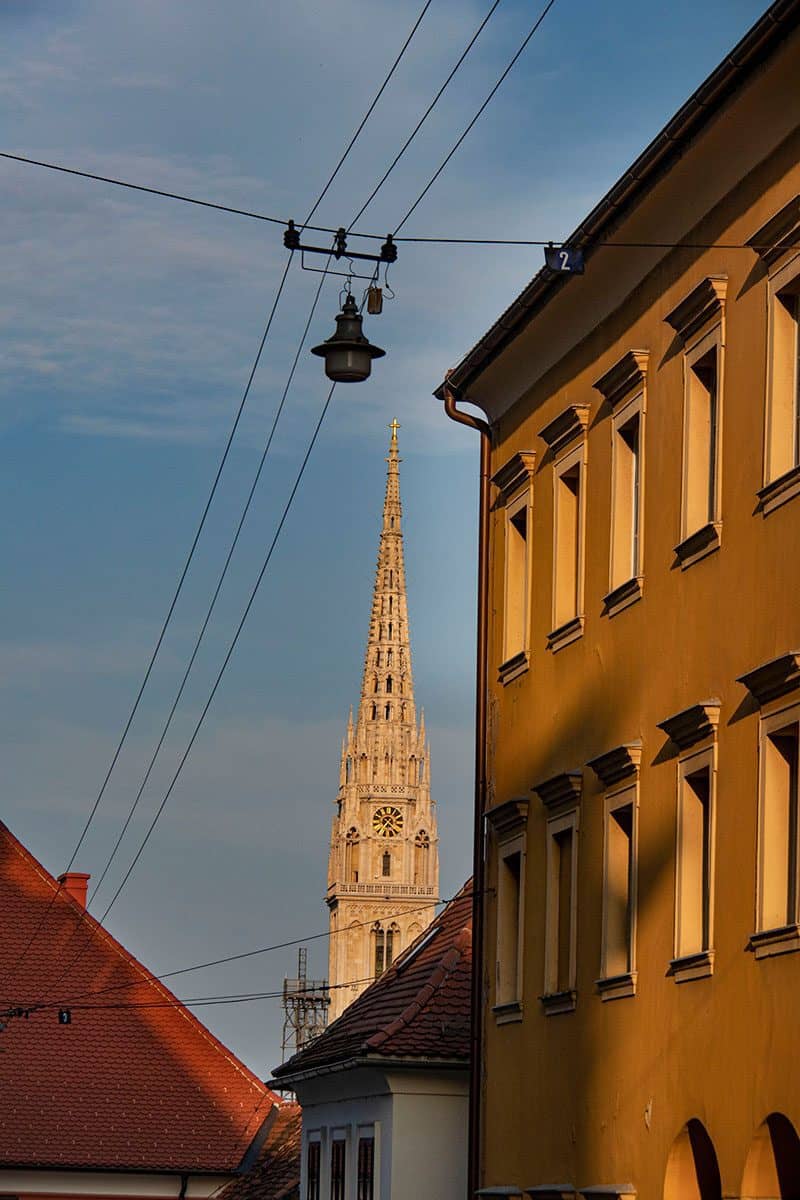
column 564, row 256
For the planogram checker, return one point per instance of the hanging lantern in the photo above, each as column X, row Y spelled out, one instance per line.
column 348, row 353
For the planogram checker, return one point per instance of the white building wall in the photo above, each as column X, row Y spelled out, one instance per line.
column 420, row 1129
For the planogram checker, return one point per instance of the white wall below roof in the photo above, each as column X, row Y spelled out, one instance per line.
column 108, row 1184
column 420, row 1121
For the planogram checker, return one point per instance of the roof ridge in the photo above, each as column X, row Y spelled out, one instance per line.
column 149, row 979
column 444, row 968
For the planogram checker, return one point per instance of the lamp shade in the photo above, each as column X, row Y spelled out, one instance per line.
column 348, row 353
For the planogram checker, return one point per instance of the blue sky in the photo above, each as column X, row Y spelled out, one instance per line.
column 128, row 325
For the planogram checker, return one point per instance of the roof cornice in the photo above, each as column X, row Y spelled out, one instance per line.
column 757, row 45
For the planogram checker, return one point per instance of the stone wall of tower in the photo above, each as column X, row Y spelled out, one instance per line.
column 383, row 869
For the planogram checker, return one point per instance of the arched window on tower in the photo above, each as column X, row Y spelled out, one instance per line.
column 352, row 852
column 386, row 865
column 389, row 657
column 402, row 684
column 378, row 658
column 421, row 769
column 412, row 769
column 362, row 765
column 348, row 769
column 388, row 711
column 392, row 943
column 379, row 940
column 422, row 846
column 390, row 631
column 391, row 602
column 374, row 713
column 375, row 684
column 388, row 685
column 391, row 579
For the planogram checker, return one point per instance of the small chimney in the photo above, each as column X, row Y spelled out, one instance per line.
column 75, row 884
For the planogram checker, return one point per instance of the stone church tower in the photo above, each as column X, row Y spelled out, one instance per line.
column 383, row 872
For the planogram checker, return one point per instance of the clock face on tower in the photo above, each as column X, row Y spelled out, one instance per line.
column 387, row 821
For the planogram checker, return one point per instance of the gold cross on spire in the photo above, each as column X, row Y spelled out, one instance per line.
column 395, row 425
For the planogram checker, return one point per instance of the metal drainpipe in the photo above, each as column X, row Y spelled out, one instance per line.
column 478, row 875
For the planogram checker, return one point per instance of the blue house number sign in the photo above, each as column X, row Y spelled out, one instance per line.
column 566, row 260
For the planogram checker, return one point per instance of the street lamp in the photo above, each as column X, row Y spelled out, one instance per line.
column 348, row 353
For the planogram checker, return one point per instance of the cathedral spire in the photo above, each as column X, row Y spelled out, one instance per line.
column 387, row 690
column 383, row 869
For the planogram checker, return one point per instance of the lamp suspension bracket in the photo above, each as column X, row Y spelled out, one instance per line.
column 291, row 240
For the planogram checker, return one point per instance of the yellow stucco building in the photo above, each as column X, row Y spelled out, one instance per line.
column 638, row 1029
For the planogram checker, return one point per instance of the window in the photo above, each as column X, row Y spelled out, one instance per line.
column 516, row 599
column 386, row 864
column 351, row 856
column 514, row 481
column 387, row 943
column 312, row 1170
column 507, row 824
column 699, row 321
column 619, row 895
column 626, row 531
column 568, row 549
column 694, row 861
column 388, row 685
column 365, row 1178
column 701, row 441
column 422, row 845
column 778, row 842
column 561, row 911
column 338, row 1161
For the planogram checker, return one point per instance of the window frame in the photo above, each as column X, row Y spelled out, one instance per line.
column 555, row 999
column 695, row 964
column 778, row 486
column 563, row 632
column 621, row 983
column 767, row 940
column 708, row 531
column 339, row 1136
column 514, row 481
column 313, row 1138
column 367, row 1133
column 506, row 824
column 626, row 588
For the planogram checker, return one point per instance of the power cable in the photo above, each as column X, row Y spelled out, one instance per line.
column 424, row 116
column 217, row 681
column 173, row 603
column 215, row 596
column 368, row 114
column 480, row 111
column 126, row 729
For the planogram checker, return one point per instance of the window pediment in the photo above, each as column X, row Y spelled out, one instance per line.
column 628, row 375
column 779, row 234
column 568, row 425
column 692, row 724
column 705, row 302
column 514, row 474
column 620, row 763
column 508, row 818
column 774, row 678
column 561, row 791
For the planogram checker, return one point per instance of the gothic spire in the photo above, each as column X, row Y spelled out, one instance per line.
column 387, row 691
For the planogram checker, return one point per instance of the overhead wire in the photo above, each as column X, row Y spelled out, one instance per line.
column 182, row 578
column 478, row 114
column 425, row 114
column 173, row 603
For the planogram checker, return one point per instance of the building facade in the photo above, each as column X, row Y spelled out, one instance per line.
column 383, row 870
column 641, row 921
column 384, row 1090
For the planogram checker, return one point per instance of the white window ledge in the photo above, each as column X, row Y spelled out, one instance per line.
column 778, row 491
column 692, row 966
column 513, row 667
column 697, row 545
column 625, row 594
column 615, row 987
column 569, row 632
column 559, row 1002
column 508, row 1013
column 769, row 942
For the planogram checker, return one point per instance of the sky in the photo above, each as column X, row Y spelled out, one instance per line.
column 128, row 327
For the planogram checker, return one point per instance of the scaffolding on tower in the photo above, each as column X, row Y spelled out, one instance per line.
column 305, row 1008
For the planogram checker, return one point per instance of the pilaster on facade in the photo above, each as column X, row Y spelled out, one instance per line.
column 383, row 871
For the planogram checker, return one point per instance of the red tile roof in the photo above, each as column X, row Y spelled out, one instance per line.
column 138, row 1088
column 276, row 1175
column 418, row 1009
